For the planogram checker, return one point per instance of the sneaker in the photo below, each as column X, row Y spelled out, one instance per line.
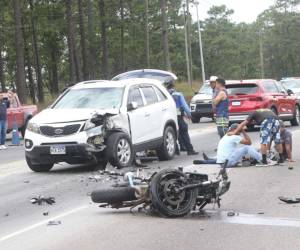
column 266, row 164
column 3, row 147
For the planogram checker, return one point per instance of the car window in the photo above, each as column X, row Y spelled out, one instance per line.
column 291, row 84
column 134, row 95
column 206, row 89
column 241, row 89
column 91, row 98
column 270, row 87
column 160, row 94
column 281, row 88
column 149, row 94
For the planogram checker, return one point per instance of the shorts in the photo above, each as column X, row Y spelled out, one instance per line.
column 222, row 125
column 270, row 131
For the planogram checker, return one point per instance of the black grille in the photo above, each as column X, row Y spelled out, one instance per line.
column 60, row 131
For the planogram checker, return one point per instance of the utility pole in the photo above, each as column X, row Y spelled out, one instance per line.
column 261, row 53
column 188, row 32
column 187, row 49
column 147, row 33
column 200, row 43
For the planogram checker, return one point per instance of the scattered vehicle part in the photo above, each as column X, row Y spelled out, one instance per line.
column 231, row 213
column 171, row 193
column 53, row 223
column 41, row 199
column 289, row 200
column 128, row 116
column 46, row 213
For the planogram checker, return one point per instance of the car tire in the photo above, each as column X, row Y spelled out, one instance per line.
column 167, row 150
column 195, row 119
column 296, row 117
column 38, row 167
column 119, row 150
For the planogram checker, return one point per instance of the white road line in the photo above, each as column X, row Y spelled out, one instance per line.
column 26, row 229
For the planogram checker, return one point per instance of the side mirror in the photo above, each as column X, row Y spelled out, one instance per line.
column 132, row 106
column 290, row 92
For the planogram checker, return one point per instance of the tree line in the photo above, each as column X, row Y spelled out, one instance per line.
column 45, row 45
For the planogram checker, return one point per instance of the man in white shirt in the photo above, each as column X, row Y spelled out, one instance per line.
column 235, row 145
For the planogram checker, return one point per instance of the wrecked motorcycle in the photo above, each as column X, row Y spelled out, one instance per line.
column 170, row 193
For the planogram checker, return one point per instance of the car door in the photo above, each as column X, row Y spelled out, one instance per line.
column 153, row 112
column 288, row 101
column 277, row 98
column 137, row 117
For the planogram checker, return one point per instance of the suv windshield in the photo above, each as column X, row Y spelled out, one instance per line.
column 291, row 84
column 241, row 89
column 91, row 98
column 206, row 89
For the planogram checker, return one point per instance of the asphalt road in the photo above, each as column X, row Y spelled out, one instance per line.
column 261, row 221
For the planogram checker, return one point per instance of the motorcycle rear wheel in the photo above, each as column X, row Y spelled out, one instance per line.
column 113, row 195
column 165, row 199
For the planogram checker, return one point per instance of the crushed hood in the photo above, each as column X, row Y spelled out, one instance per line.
column 48, row 116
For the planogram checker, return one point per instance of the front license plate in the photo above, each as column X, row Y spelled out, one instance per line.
column 236, row 103
column 58, row 150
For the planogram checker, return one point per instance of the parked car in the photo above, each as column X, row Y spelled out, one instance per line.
column 100, row 121
column 292, row 85
column 19, row 113
column 156, row 74
column 201, row 103
column 248, row 95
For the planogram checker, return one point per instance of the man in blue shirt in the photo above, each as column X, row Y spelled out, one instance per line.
column 182, row 110
column 4, row 105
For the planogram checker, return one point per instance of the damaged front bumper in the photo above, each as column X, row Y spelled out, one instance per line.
column 74, row 153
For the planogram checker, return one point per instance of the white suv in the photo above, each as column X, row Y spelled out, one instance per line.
column 100, row 121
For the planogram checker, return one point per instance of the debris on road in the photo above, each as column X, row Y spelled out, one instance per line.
column 289, row 200
column 46, row 213
column 26, row 181
column 54, row 223
column 95, row 178
column 41, row 199
column 6, row 215
column 231, row 213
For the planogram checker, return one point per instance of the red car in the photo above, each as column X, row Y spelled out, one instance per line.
column 21, row 113
column 247, row 96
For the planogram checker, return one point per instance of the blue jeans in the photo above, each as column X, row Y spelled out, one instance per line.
column 2, row 132
column 239, row 153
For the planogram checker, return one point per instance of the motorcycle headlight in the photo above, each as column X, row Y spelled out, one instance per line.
column 88, row 125
column 33, row 127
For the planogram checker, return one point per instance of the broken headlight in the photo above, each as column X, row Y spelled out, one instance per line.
column 88, row 125
column 33, row 127
column 96, row 140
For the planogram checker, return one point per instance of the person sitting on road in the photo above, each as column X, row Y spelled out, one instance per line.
column 269, row 131
column 287, row 141
column 221, row 104
column 233, row 147
column 182, row 110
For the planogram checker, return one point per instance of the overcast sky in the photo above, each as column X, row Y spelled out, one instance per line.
column 244, row 10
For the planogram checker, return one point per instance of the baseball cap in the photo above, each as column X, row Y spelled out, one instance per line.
column 233, row 126
column 213, row 78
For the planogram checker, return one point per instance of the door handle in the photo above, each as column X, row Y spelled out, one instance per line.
column 147, row 114
column 164, row 109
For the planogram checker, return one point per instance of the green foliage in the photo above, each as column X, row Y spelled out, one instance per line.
column 231, row 50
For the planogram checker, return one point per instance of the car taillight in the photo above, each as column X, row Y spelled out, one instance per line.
column 256, row 99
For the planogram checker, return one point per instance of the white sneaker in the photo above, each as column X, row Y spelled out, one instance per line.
column 270, row 163
column 3, row 147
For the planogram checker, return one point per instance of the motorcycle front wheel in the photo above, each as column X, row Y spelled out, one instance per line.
column 113, row 195
column 165, row 196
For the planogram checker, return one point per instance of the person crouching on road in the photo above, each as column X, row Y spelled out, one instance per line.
column 233, row 147
column 287, row 141
column 182, row 109
column 269, row 131
column 221, row 107
column 4, row 105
